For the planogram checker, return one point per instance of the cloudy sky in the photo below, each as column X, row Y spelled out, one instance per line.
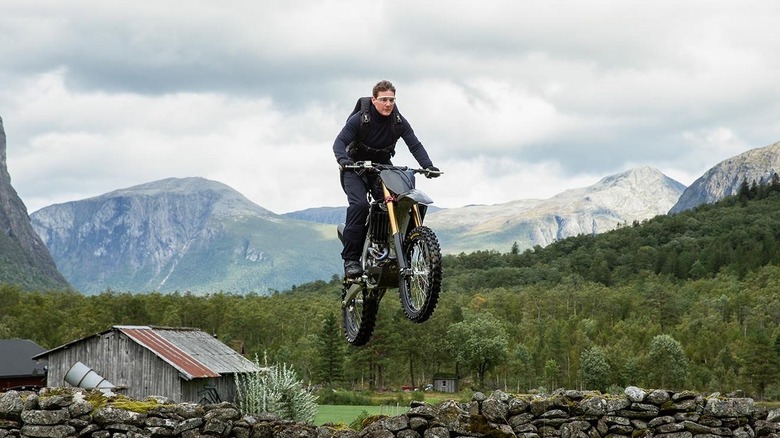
column 512, row 99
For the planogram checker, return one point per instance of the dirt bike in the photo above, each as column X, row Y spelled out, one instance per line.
column 398, row 252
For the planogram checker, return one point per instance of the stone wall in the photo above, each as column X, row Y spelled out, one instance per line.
column 72, row 412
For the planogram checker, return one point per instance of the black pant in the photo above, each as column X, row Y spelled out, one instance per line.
column 357, row 188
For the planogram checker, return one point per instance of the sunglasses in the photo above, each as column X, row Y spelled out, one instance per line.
column 386, row 99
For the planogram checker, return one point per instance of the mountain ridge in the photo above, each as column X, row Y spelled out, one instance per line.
column 181, row 234
column 613, row 201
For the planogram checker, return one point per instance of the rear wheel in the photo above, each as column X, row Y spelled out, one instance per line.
column 359, row 316
column 421, row 283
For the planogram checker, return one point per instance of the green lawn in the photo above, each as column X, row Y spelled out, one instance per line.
column 348, row 414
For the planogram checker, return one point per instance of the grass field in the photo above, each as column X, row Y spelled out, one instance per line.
column 348, row 414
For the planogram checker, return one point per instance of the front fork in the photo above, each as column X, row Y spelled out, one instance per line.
column 356, row 284
column 394, row 229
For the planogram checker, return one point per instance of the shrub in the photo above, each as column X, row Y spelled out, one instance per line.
column 275, row 389
column 328, row 396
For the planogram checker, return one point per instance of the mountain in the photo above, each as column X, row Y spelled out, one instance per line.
column 612, row 202
column 725, row 178
column 321, row 215
column 329, row 215
column 634, row 195
column 192, row 234
column 183, row 234
column 24, row 259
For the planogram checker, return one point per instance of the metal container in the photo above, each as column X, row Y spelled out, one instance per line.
column 85, row 377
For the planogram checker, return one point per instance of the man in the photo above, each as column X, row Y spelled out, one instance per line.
column 374, row 142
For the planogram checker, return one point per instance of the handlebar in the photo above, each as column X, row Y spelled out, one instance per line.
column 376, row 167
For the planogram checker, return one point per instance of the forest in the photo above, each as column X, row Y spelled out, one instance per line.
column 685, row 301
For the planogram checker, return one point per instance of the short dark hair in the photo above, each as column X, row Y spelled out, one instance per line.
column 383, row 86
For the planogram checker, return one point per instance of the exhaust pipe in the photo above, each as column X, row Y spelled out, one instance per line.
column 85, row 377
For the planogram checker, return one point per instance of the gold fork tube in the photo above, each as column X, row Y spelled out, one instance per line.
column 397, row 237
column 390, row 210
column 416, row 215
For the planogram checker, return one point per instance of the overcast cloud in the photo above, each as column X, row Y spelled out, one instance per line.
column 512, row 99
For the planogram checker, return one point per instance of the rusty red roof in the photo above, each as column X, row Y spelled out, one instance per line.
column 194, row 353
column 167, row 351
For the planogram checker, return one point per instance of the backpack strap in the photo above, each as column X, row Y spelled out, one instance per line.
column 396, row 122
column 365, row 117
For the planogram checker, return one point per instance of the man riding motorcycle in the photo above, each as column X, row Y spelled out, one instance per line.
column 370, row 135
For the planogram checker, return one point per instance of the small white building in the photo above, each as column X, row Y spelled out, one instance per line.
column 445, row 382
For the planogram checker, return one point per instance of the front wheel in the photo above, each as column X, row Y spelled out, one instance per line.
column 420, row 284
column 359, row 315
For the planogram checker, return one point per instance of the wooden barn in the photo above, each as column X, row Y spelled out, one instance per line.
column 183, row 364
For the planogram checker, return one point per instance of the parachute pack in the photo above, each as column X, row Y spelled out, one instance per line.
column 362, row 107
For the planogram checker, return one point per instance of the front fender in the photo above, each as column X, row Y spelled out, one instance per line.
column 416, row 196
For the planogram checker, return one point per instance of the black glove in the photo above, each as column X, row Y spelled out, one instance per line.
column 345, row 162
column 433, row 172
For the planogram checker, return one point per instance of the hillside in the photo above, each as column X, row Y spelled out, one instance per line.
column 736, row 235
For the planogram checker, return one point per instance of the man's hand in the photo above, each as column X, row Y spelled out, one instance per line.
column 344, row 163
column 432, row 172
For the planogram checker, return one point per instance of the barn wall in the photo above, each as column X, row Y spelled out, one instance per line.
column 214, row 390
column 136, row 371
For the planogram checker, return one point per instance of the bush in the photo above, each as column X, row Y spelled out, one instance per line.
column 329, row 396
column 276, row 390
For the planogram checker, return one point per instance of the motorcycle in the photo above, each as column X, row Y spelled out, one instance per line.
column 398, row 252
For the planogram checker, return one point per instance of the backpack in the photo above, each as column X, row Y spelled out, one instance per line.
column 362, row 107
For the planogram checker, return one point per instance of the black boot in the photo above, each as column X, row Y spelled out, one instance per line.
column 352, row 268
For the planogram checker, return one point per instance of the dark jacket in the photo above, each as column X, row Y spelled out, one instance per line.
column 380, row 136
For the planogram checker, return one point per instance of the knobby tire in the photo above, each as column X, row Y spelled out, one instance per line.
column 359, row 317
column 421, row 287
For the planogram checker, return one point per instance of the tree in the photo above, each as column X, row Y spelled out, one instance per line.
column 594, row 369
column 524, row 362
column 479, row 342
column 552, row 373
column 761, row 361
column 667, row 366
column 330, row 351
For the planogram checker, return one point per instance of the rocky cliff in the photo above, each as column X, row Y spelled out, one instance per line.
column 25, row 259
column 725, row 178
column 183, row 234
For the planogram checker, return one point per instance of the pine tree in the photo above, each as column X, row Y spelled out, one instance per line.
column 330, row 352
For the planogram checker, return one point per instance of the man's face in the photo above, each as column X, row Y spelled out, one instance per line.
column 384, row 102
